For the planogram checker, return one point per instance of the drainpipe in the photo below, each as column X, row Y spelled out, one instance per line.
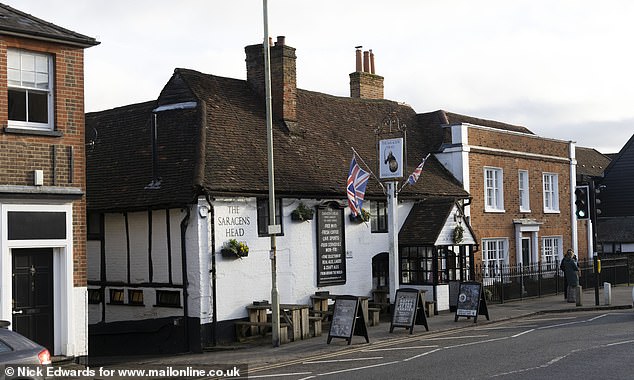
column 212, row 239
column 184, row 224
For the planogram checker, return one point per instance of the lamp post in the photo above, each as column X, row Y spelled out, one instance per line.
column 273, row 227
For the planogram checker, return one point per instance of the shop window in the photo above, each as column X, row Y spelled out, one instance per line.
column 116, row 296
column 95, row 296
column 135, row 297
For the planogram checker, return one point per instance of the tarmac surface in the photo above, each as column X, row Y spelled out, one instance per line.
column 261, row 352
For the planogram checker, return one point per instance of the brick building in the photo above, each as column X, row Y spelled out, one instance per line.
column 520, row 186
column 42, row 182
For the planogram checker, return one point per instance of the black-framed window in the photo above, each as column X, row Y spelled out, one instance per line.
column 168, row 298
column 116, row 296
column 135, row 297
column 93, row 226
column 95, row 296
column 378, row 216
column 417, row 265
column 263, row 216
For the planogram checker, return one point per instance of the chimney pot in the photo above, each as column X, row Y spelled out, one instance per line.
column 358, row 58
column 371, row 62
column 281, row 41
column 366, row 62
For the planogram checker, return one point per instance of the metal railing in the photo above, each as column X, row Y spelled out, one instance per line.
column 515, row 282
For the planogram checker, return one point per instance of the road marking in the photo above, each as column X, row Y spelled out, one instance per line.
column 617, row 343
column 597, row 317
column 522, row 333
column 506, row 327
column 560, row 325
column 458, row 337
column 423, row 354
column 397, row 348
column 358, row 368
column 341, row 360
column 279, row 374
column 550, row 319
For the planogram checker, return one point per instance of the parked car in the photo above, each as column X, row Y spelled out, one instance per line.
column 16, row 349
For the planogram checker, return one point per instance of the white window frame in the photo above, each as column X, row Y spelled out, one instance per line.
column 493, row 189
column 550, row 186
column 38, row 86
column 552, row 251
column 494, row 256
column 524, row 192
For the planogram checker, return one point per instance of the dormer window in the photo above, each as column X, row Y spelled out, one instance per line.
column 30, row 90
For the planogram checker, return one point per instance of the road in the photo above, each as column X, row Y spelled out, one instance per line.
column 580, row 345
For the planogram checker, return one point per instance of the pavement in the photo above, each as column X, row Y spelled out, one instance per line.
column 261, row 352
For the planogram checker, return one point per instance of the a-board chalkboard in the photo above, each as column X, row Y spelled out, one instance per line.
column 331, row 246
column 347, row 319
column 409, row 309
column 471, row 301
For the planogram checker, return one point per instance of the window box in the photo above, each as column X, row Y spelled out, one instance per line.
column 234, row 249
column 364, row 216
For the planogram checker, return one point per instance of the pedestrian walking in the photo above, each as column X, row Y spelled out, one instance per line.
column 571, row 273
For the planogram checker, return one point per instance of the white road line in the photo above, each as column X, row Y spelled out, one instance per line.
column 617, row 343
column 506, row 327
column 479, row 342
column 278, row 374
column 357, row 368
column 456, row 337
column 398, row 348
column 549, row 319
column 522, row 333
column 342, row 360
column 597, row 317
column 423, row 354
column 559, row 325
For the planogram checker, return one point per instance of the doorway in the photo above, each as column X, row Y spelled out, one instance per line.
column 33, row 294
column 526, row 251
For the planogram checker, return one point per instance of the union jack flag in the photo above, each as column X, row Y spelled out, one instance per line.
column 357, row 182
column 416, row 174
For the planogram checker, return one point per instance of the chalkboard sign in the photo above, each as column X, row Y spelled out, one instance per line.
column 409, row 309
column 454, row 288
column 347, row 319
column 331, row 247
column 471, row 301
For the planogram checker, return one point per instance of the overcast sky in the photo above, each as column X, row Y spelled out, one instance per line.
column 563, row 69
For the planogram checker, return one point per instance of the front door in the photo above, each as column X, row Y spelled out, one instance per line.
column 526, row 251
column 33, row 294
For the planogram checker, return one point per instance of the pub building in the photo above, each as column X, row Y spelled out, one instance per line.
column 178, row 242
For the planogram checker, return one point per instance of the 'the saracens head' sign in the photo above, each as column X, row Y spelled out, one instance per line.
column 391, row 158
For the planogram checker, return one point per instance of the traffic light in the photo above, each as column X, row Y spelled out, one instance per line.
column 582, row 202
column 598, row 193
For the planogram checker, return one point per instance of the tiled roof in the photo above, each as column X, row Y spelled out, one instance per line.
column 590, row 162
column 425, row 221
column 15, row 22
column 313, row 161
column 454, row 118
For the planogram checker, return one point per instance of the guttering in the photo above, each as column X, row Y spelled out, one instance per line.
column 184, row 224
column 214, row 305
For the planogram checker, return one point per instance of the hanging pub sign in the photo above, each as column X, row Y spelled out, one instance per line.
column 347, row 320
column 471, row 301
column 391, row 158
column 409, row 309
column 331, row 247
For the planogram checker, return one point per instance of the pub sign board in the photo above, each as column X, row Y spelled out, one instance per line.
column 409, row 309
column 391, row 158
column 347, row 319
column 331, row 247
column 471, row 301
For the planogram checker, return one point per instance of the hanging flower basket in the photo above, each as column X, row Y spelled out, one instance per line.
column 234, row 249
column 458, row 234
column 302, row 213
column 364, row 216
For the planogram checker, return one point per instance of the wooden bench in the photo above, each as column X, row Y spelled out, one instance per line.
column 315, row 325
column 374, row 316
column 242, row 327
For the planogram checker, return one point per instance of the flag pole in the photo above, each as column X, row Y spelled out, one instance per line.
column 275, row 302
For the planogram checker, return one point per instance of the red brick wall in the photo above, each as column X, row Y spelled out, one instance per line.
column 505, row 156
column 20, row 154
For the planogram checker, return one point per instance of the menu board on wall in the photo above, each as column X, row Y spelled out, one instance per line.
column 331, row 247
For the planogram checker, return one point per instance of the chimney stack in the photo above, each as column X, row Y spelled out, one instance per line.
column 364, row 83
column 283, row 76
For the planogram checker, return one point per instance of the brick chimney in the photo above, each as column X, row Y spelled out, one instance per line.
column 364, row 83
column 283, row 77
